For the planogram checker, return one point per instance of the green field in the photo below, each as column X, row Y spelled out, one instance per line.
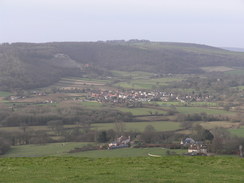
column 217, row 69
column 134, row 74
column 147, row 83
column 237, row 131
column 62, row 149
column 177, row 169
column 92, row 105
column 129, row 126
column 195, row 104
column 192, row 110
column 239, row 71
column 141, row 111
column 126, row 152
column 52, row 149
column 78, row 82
column 140, row 126
column 5, row 94
column 218, row 124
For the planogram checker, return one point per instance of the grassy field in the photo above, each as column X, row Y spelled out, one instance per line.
column 126, row 152
column 130, row 126
column 177, row 169
column 237, row 131
column 134, row 74
column 52, row 149
column 92, row 105
column 192, row 110
column 79, row 82
column 147, row 83
column 239, row 71
column 62, row 149
column 215, row 124
column 217, row 69
column 140, row 126
column 140, row 111
column 195, row 104
column 5, row 94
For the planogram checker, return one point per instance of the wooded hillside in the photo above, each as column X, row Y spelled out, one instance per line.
column 28, row 65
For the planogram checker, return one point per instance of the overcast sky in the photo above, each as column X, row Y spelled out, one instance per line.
column 212, row 22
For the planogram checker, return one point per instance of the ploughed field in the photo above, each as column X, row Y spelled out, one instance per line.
column 130, row 169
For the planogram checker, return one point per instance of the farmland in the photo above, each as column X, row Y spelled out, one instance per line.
column 237, row 131
column 140, row 126
column 146, row 83
column 63, row 104
column 129, row 126
column 62, row 149
column 141, row 111
column 136, row 169
column 191, row 110
column 51, row 149
column 82, row 109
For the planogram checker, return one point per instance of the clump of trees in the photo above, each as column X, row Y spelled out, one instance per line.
column 224, row 143
column 4, row 146
column 65, row 114
column 200, row 117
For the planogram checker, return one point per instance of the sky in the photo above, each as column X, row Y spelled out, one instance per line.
column 211, row 22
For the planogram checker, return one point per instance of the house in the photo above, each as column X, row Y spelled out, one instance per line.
column 194, row 147
column 188, row 141
column 197, row 149
column 120, row 142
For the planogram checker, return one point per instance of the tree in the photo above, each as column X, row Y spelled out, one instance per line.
column 4, row 145
column 102, row 137
column 202, row 133
column 120, row 128
column 221, row 135
column 56, row 126
column 149, row 135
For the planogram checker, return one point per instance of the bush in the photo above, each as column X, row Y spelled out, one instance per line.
column 4, row 146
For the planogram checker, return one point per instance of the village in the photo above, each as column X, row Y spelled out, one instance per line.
column 115, row 96
column 123, row 96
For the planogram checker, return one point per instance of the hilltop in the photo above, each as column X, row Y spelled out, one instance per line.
column 32, row 65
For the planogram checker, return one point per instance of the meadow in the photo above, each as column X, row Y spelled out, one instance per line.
column 140, row 126
column 145, row 83
column 237, row 131
column 131, row 169
column 192, row 110
column 50, row 149
column 62, row 149
column 141, row 111
column 5, row 94
column 129, row 126
column 218, row 124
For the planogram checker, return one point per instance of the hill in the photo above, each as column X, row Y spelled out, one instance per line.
column 29, row 65
column 234, row 49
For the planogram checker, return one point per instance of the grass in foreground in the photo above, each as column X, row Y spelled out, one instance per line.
column 110, row 170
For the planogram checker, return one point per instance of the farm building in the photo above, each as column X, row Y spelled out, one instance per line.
column 120, row 142
column 194, row 147
column 197, row 148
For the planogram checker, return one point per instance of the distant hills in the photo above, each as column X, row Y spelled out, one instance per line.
column 29, row 65
column 234, row 49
